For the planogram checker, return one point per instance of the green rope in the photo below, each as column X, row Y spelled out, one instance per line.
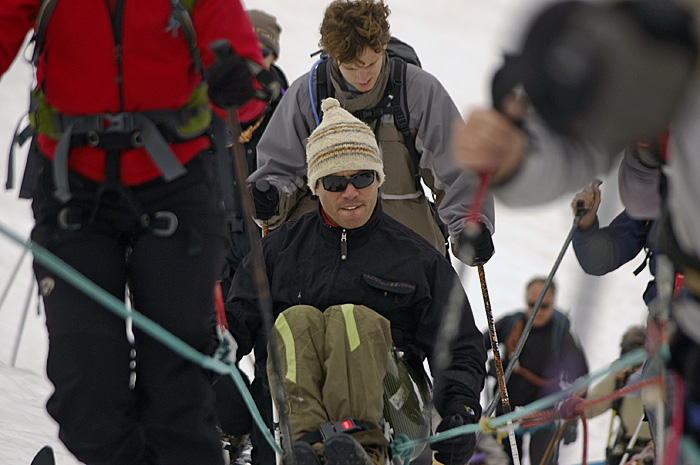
column 72, row 276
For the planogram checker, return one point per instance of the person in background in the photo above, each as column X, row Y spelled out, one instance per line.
column 629, row 410
column 235, row 419
column 550, row 360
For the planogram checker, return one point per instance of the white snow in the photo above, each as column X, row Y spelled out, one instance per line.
column 458, row 41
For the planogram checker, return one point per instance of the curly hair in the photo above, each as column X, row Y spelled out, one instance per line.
column 350, row 26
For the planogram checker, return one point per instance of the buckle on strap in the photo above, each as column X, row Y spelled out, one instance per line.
column 346, row 425
column 161, row 223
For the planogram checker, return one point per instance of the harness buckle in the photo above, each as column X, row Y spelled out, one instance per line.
column 346, row 425
column 159, row 218
column 64, row 221
column 119, row 122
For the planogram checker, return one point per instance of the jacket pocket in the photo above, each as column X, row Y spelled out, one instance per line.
column 400, row 292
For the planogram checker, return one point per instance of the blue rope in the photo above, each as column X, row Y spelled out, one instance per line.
column 148, row 326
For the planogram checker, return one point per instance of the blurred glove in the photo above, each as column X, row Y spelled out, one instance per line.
column 230, row 82
column 457, row 450
column 226, row 352
column 570, row 432
column 474, row 251
column 266, row 198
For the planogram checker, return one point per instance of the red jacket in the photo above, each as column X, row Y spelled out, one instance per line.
column 81, row 73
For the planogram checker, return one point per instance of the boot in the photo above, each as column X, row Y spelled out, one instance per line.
column 344, row 450
column 304, row 454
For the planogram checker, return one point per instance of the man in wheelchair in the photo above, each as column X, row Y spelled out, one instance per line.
column 358, row 299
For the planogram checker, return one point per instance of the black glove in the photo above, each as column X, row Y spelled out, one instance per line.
column 230, row 82
column 266, row 198
column 474, row 251
column 457, row 450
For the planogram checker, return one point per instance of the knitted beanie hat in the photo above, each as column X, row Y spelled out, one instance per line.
column 341, row 143
column 267, row 30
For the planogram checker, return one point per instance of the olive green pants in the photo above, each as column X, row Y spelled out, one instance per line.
column 332, row 366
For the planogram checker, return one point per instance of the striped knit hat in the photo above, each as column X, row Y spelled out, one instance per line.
column 341, row 143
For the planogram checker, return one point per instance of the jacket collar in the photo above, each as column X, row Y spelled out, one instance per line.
column 359, row 235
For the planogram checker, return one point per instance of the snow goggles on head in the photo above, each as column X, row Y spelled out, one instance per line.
column 339, row 183
column 265, row 52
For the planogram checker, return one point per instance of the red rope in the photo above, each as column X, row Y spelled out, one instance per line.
column 573, row 407
column 676, row 431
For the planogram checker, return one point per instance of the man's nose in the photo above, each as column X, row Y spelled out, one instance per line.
column 350, row 191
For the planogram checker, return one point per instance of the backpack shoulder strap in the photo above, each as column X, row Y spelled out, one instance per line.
column 399, row 106
column 42, row 20
column 561, row 325
column 324, row 85
column 181, row 18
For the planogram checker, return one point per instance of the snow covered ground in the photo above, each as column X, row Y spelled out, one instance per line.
column 458, row 41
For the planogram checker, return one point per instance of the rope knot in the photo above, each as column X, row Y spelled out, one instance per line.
column 571, row 408
column 403, row 447
column 485, row 427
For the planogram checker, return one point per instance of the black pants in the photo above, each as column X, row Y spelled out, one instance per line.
column 118, row 403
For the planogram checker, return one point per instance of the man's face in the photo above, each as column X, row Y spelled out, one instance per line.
column 352, row 207
column 544, row 314
column 268, row 56
column 364, row 72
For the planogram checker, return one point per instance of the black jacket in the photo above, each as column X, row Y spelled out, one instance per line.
column 388, row 268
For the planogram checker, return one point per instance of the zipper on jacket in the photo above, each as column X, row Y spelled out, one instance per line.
column 117, row 20
column 343, row 245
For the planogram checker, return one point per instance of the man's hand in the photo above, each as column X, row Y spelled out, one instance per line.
column 266, row 197
column 457, row 450
column 591, row 202
column 474, row 251
column 226, row 352
column 230, row 82
column 488, row 142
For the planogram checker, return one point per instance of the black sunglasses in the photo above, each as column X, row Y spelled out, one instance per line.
column 339, row 183
column 265, row 52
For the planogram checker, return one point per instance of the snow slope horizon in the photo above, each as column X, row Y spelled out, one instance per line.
column 459, row 42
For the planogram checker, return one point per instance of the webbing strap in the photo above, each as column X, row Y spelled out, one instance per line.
column 153, row 141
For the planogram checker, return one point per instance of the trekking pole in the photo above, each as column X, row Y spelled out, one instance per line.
column 15, row 271
column 451, row 318
column 222, row 49
column 20, row 330
column 632, row 440
column 499, row 364
column 580, row 211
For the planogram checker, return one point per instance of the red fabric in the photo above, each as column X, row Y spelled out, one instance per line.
column 80, row 70
column 327, row 220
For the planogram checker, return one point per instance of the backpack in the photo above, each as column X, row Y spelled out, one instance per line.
column 394, row 101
